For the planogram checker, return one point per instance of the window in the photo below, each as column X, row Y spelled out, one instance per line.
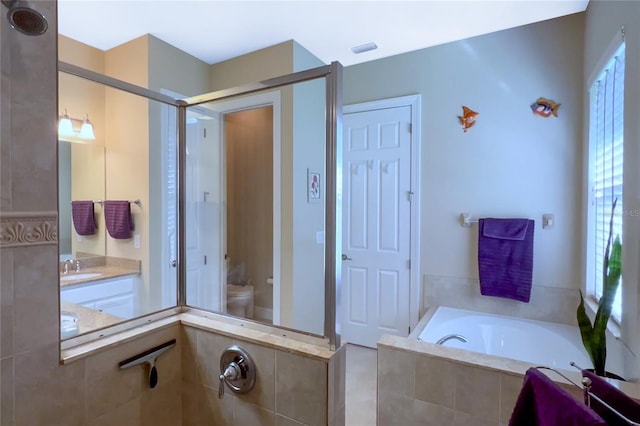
column 606, row 99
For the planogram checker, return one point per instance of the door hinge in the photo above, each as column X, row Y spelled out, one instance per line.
column 410, row 127
column 409, row 263
column 410, row 196
column 205, row 260
column 204, row 134
column 409, row 330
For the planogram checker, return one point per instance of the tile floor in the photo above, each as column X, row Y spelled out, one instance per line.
column 361, row 386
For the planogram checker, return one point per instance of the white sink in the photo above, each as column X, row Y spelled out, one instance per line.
column 85, row 276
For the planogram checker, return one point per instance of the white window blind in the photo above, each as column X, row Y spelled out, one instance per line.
column 606, row 141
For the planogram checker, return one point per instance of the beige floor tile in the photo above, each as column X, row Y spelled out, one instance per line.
column 361, row 386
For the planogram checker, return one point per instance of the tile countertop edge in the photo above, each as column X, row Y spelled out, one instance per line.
column 287, row 344
column 270, row 340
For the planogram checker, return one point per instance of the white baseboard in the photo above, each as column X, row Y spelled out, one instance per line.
column 262, row 314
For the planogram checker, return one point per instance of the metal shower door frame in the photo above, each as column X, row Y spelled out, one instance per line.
column 333, row 205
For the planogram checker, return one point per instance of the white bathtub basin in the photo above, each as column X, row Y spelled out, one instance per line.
column 84, row 276
column 536, row 342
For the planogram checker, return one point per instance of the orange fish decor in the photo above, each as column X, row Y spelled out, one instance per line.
column 545, row 107
column 468, row 118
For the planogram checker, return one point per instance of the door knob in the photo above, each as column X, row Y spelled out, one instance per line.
column 345, row 257
column 174, row 263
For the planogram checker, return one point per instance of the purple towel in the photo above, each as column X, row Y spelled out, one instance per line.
column 117, row 216
column 542, row 402
column 505, row 257
column 83, row 217
column 615, row 398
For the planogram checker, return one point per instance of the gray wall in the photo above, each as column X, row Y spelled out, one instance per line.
column 511, row 164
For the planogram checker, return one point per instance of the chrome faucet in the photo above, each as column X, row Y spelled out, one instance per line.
column 451, row 336
column 66, row 265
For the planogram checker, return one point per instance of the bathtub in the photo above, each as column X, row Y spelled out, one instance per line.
column 535, row 342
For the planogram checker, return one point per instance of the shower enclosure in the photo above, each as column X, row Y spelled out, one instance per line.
column 305, row 108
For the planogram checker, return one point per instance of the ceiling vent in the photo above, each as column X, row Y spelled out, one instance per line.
column 364, row 48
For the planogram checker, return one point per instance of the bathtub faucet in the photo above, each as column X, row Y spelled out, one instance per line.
column 451, row 336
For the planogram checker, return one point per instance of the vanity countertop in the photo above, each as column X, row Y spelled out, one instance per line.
column 105, row 271
column 89, row 319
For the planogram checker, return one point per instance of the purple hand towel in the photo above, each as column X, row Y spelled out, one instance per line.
column 117, row 216
column 505, row 257
column 615, row 398
column 83, row 217
column 542, row 402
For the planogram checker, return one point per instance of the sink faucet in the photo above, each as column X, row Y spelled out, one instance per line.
column 66, row 265
column 451, row 336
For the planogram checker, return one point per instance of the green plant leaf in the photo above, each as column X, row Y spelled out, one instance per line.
column 594, row 337
column 586, row 329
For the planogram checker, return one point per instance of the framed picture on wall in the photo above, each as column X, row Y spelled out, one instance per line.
column 313, row 186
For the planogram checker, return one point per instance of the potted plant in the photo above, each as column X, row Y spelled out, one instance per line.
column 594, row 335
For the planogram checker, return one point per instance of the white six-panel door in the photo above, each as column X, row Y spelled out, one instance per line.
column 376, row 224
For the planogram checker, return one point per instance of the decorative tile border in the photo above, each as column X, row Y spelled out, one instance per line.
column 19, row 229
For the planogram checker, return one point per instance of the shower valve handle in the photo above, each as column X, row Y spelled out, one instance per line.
column 232, row 372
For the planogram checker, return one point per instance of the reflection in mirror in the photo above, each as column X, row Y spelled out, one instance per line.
column 255, row 206
column 80, row 177
column 118, row 199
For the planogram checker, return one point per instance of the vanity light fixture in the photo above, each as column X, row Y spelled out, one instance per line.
column 65, row 127
column 86, row 131
column 75, row 127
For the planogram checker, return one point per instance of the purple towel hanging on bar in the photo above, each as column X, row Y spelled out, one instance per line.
column 83, row 217
column 542, row 402
column 117, row 216
column 614, row 397
column 505, row 257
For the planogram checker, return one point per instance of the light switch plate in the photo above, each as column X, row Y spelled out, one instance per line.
column 136, row 241
column 320, row 237
column 548, row 221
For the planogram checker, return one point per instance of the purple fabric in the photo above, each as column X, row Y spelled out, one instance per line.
column 542, row 402
column 117, row 216
column 83, row 217
column 505, row 257
column 615, row 398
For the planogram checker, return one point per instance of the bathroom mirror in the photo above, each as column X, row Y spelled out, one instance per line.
column 118, row 202
column 255, row 206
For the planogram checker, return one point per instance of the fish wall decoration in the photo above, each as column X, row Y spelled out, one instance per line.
column 468, row 118
column 544, row 107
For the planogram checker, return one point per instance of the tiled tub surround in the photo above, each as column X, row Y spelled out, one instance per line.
column 425, row 384
column 548, row 303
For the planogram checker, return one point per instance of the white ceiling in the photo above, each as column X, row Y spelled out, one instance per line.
column 214, row 30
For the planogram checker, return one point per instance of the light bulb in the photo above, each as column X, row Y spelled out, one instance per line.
column 65, row 127
column 86, row 131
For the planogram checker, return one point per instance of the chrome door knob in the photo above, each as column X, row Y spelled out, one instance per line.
column 345, row 257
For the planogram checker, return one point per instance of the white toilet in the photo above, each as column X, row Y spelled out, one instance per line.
column 240, row 300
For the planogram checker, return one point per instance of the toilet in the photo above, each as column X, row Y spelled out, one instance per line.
column 240, row 300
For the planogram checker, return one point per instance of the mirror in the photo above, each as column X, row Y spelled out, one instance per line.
column 118, row 205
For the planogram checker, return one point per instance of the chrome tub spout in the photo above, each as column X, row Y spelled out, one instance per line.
column 451, row 336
